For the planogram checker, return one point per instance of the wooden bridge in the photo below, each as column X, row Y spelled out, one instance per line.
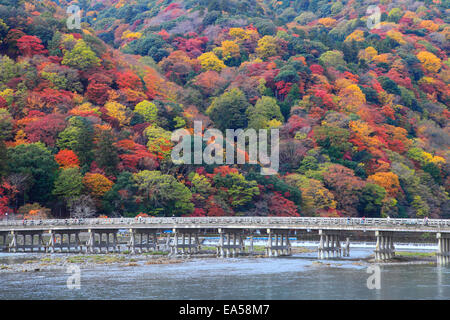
column 181, row 235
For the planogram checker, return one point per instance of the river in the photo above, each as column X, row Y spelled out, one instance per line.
column 295, row 277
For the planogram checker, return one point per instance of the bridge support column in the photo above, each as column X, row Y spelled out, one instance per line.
column 230, row 243
column 329, row 244
column 116, row 246
column 61, row 239
column 269, row 243
column 131, row 243
column 384, row 249
column 4, row 244
column 282, row 245
column 174, row 247
column 443, row 253
column 346, row 249
column 13, row 243
column 51, row 242
column 90, row 242
column 250, row 249
column 198, row 245
column 189, row 242
column 220, row 251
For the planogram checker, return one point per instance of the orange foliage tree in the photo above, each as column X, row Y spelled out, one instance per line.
column 97, row 184
column 388, row 180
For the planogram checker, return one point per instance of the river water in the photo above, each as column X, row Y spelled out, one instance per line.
column 295, row 277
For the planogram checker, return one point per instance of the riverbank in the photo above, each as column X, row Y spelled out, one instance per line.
column 35, row 262
column 47, row 262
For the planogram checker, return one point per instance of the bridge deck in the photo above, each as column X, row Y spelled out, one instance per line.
column 252, row 223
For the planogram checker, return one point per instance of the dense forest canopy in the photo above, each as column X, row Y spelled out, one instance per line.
column 86, row 114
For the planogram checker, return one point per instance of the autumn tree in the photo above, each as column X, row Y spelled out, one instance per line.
column 45, row 129
column 209, row 61
column 388, row 180
column 159, row 141
column 80, row 57
column 67, row 159
column 78, row 137
column 430, row 62
column 345, row 186
column 147, row 110
column 30, row 46
column 97, row 184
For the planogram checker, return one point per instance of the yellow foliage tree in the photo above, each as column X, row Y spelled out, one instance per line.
column 429, row 61
column 357, row 35
column 209, row 61
column 118, row 111
column 368, row 54
column 230, row 49
column 267, row 47
column 397, row 36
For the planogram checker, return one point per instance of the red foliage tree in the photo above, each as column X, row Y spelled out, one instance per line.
column 67, row 159
column 30, row 46
column 282, row 207
column 97, row 90
column 45, row 129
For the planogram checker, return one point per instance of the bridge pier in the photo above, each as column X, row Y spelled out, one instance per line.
column 90, row 242
column 443, row 253
column 231, row 243
column 190, row 243
column 282, row 245
column 384, row 249
column 329, row 245
column 250, row 248
column 148, row 240
column 346, row 248
column 13, row 243
column 131, row 242
column 4, row 237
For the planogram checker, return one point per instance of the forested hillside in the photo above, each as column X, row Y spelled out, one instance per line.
column 86, row 114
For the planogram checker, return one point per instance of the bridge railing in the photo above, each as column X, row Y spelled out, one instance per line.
column 263, row 221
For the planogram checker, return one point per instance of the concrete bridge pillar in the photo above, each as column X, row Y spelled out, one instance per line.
column 231, row 243
column 281, row 245
column 443, row 253
column 90, row 242
column 269, row 243
column 346, row 249
column 250, row 250
column 4, row 240
column 51, row 242
column 13, row 243
column 175, row 242
column 189, row 244
column 198, row 245
column 220, row 250
column 227, row 249
column 384, row 249
column 131, row 243
column 329, row 244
